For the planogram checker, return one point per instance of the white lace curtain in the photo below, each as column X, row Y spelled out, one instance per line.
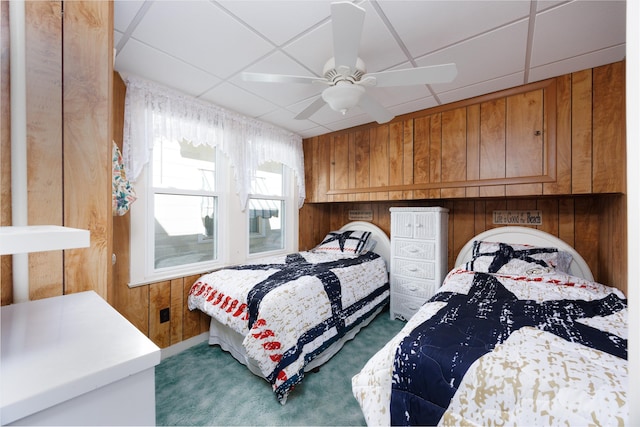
column 152, row 112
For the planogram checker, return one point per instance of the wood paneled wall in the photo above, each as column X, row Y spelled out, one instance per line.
column 69, row 85
column 6, row 277
column 485, row 154
column 594, row 225
column 561, row 136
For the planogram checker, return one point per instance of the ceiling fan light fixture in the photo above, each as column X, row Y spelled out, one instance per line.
column 343, row 96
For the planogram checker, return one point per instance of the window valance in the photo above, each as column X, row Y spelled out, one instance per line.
column 155, row 112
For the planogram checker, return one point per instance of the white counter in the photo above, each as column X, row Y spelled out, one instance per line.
column 75, row 360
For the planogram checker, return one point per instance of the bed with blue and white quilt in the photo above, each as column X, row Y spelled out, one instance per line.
column 518, row 334
column 285, row 315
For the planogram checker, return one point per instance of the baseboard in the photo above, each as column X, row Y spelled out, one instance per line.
column 183, row 345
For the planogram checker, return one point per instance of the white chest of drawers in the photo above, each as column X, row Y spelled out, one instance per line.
column 418, row 257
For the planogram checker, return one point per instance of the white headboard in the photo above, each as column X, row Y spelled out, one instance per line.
column 528, row 236
column 383, row 245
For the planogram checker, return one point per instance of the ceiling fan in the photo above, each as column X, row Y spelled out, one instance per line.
column 346, row 74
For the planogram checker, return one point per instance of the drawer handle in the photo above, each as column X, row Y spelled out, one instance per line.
column 418, row 225
column 413, row 251
column 412, row 269
column 412, row 288
column 412, row 307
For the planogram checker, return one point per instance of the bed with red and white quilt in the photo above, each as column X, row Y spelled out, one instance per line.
column 285, row 315
column 518, row 334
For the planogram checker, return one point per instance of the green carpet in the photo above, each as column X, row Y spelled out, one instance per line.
column 204, row 385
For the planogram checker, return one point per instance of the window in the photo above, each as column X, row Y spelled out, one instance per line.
column 267, row 209
column 182, row 207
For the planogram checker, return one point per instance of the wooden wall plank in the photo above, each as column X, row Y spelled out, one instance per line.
column 323, row 160
column 435, row 155
column 524, row 144
column 609, row 149
column 562, row 185
column 159, row 298
column 492, row 145
column 586, row 240
column 44, row 139
column 421, row 134
column 340, row 165
column 379, row 161
column 454, row 150
column 408, row 157
column 492, row 139
column 176, row 309
column 88, row 88
column 190, row 319
column 473, row 148
column 309, row 151
column 581, row 132
column 6, row 275
column 612, row 247
column 362, row 165
column 396, row 158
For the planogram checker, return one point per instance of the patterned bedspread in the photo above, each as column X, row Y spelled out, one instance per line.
column 540, row 349
column 290, row 308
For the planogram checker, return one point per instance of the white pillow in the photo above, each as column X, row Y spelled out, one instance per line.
column 351, row 242
column 503, row 258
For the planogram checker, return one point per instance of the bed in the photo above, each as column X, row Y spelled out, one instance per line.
column 285, row 315
column 516, row 335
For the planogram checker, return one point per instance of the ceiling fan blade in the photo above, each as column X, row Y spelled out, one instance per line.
column 347, row 20
column 280, row 78
column 311, row 109
column 374, row 109
column 443, row 73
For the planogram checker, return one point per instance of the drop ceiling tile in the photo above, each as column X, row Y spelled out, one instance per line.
column 273, row 19
column 151, row 64
column 315, row 131
column 285, row 119
column 416, row 105
column 313, row 49
column 582, row 62
column 349, row 121
column 559, row 36
column 427, row 26
column 481, row 88
column 389, row 96
column 378, row 48
column 239, row 100
column 202, row 34
column 124, row 12
column 490, row 56
column 282, row 94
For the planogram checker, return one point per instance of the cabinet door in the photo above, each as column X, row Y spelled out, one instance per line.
column 402, row 224
column 425, row 226
column 525, row 136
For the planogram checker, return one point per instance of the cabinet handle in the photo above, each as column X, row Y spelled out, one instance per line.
column 537, row 133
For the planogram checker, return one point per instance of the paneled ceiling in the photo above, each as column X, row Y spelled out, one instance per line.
column 200, row 48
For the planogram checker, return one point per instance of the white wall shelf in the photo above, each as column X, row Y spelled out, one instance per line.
column 36, row 238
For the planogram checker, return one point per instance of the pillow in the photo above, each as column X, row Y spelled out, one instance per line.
column 370, row 246
column 347, row 242
column 503, row 258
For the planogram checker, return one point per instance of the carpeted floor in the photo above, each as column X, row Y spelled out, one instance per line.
column 204, row 385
